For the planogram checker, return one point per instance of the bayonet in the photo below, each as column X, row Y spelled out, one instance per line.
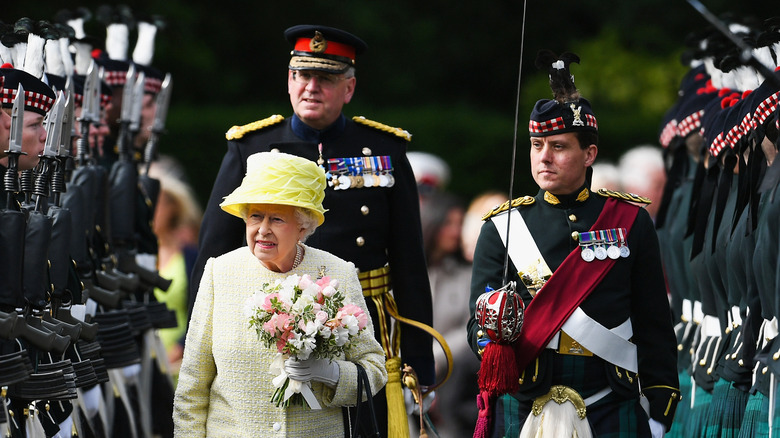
column 138, row 101
column 158, row 125
column 163, row 100
column 125, row 114
column 52, row 123
column 91, row 82
column 53, row 126
column 127, row 95
column 68, row 127
column 17, row 123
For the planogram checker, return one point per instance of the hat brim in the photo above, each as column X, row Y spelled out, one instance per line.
column 318, row 64
column 238, row 205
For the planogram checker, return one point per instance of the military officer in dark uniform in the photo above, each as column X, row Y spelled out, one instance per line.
column 372, row 201
column 605, row 332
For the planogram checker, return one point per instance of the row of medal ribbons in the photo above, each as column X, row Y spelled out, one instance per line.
column 600, row 244
column 360, row 172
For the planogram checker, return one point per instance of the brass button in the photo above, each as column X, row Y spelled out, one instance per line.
column 366, row 151
column 275, row 150
column 575, row 236
column 776, row 356
column 364, row 210
column 763, row 371
column 360, row 241
column 573, row 218
column 480, row 333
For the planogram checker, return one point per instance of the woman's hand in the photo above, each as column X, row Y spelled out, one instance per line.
column 319, row 370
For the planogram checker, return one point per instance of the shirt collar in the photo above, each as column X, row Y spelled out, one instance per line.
column 307, row 133
column 570, row 200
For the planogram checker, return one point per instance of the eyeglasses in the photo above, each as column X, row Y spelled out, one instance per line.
column 325, row 80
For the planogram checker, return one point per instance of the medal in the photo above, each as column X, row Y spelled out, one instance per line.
column 587, row 254
column 585, row 239
column 624, row 251
column 383, row 180
column 344, row 182
column 613, row 251
column 368, row 180
column 600, row 252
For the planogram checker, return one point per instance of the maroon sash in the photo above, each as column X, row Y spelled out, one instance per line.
column 568, row 287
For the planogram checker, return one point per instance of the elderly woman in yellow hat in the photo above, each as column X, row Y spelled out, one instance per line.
column 225, row 386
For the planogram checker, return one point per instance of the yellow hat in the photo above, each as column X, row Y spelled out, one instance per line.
column 282, row 179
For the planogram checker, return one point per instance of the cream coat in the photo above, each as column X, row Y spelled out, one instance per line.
column 224, row 387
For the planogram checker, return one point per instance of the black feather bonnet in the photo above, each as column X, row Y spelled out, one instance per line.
column 567, row 111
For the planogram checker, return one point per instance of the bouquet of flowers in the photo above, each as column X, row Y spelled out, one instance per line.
column 302, row 318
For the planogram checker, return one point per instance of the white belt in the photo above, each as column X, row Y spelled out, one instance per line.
column 597, row 396
column 612, row 345
column 710, row 326
column 687, row 310
column 736, row 318
column 770, row 328
column 698, row 315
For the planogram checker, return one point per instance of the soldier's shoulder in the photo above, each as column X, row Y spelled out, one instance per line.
column 237, row 132
column 398, row 132
column 517, row 202
column 624, row 196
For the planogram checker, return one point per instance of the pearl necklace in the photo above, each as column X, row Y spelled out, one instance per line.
column 298, row 256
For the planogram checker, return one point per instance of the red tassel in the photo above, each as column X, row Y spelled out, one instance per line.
column 482, row 429
column 498, row 373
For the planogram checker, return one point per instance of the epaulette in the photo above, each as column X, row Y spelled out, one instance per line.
column 382, row 127
column 624, row 196
column 517, row 202
column 239, row 131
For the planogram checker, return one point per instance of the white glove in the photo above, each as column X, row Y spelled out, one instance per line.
column 92, row 399
column 131, row 373
column 319, row 370
column 657, row 430
column 411, row 405
column 65, row 428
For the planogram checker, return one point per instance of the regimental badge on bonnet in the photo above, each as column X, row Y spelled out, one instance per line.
column 568, row 111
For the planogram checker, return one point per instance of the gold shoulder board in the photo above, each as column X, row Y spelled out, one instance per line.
column 517, row 202
column 382, row 127
column 624, row 196
column 239, row 131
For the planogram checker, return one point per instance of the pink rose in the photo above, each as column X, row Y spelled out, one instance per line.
column 324, row 281
column 304, row 282
column 356, row 311
column 328, row 291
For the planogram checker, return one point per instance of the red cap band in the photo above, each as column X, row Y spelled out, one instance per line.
column 332, row 48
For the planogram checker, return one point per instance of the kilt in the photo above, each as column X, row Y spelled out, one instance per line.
column 724, row 417
column 755, row 423
column 695, row 423
column 610, row 417
column 683, row 408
